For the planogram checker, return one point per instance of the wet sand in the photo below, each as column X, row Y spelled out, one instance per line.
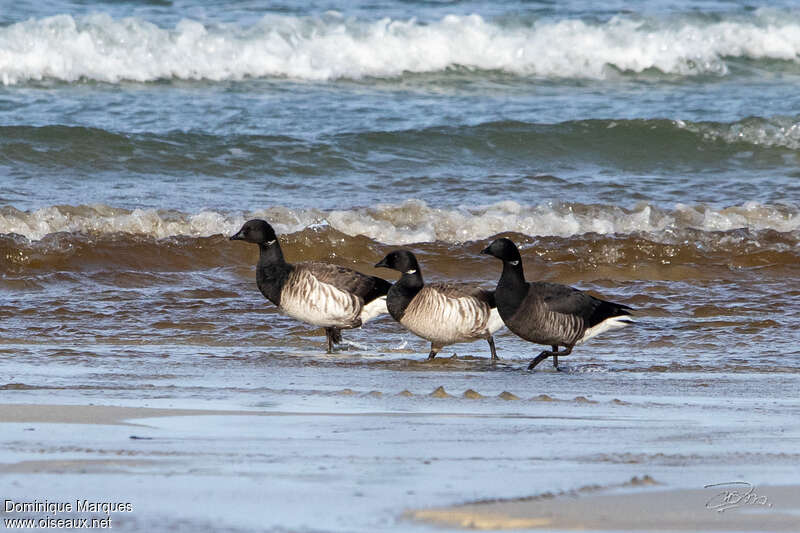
column 404, row 453
column 650, row 510
column 94, row 414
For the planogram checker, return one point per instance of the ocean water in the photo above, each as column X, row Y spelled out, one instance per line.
column 648, row 153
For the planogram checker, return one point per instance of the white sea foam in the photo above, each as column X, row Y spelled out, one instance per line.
column 410, row 222
column 98, row 47
column 775, row 131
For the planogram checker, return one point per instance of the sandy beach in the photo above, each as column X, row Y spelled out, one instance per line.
column 460, row 455
column 766, row 509
column 94, row 414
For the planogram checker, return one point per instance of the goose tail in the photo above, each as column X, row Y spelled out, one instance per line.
column 607, row 316
column 495, row 322
column 373, row 309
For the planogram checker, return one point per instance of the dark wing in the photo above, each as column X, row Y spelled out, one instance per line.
column 606, row 310
column 558, row 315
column 461, row 290
column 569, row 301
column 347, row 279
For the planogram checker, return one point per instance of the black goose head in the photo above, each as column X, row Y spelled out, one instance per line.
column 400, row 260
column 505, row 250
column 256, row 231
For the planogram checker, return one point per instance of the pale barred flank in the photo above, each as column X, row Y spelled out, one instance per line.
column 549, row 327
column 555, row 328
column 445, row 320
column 307, row 299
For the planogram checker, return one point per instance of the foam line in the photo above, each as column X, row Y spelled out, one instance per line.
column 412, row 221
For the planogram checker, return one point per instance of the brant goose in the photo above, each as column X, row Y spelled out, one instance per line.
column 321, row 294
column 443, row 313
column 549, row 313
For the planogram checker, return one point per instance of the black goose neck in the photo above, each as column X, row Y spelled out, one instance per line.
column 512, row 273
column 272, row 271
column 402, row 292
column 270, row 254
column 412, row 280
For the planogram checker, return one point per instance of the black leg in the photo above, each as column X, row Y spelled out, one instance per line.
column 434, row 351
column 544, row 355
column 566, row 351
column 491, row 346
column 334, row 336
column 329, row 338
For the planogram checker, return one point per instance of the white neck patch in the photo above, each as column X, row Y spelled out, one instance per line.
column 270, row 243
column 515, row 263
column 411, row 271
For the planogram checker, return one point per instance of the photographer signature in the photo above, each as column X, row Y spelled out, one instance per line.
column 743, row 494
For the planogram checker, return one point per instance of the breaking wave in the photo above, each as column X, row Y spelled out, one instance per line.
column 100, row 48
column 413, row 221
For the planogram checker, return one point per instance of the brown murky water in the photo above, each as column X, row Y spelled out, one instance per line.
column 705, row 301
